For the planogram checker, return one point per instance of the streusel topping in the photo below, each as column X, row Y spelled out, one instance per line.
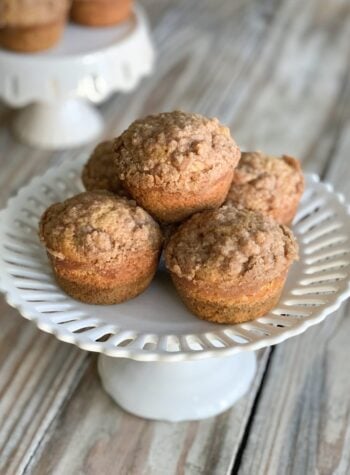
column 98, row 227
column 263, row 183
column 175, row 150
column 99, row 172
column 229, row 244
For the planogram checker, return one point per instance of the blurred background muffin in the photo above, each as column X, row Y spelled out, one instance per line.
column 271, row 185
column 230, row 265
column 100, row 12
column 176, row 163
column 31, row 25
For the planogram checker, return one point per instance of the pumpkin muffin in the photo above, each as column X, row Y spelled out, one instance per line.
column 103, row 249
column 230, row 265
column 100, row 12
column 31, row 25
column 271, row 185
column 99, row 172
column 176, row 163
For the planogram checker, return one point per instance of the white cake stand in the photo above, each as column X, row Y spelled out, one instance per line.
column 56, row 86
column 157, row 360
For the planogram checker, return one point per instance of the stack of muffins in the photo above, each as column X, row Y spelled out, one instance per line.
column 176, row 182
column 35, row 25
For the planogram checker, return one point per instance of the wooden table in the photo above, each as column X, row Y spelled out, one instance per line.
column 278, row 73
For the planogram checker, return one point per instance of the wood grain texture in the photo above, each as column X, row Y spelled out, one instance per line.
column 94, row 436
column 37, row 375
column 302, row 422
column 308, row 384
column 278, row 73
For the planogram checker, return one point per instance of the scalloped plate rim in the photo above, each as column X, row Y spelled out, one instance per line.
column 158, row 355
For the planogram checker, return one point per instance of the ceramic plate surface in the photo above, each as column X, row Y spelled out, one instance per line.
column 156, row 325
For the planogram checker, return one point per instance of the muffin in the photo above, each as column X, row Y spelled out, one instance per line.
column 229, row 265
column 99, row 172
column 103, row 249
column 268, row 184
column 176, row 163
column 100, row 12
column 29, row 25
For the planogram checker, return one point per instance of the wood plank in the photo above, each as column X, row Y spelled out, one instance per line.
column 37, row 375
column 302, row 422
column 94, row 436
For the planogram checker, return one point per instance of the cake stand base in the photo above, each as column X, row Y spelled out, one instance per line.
column 69, row 123
column 177, row 391
column 87, row 64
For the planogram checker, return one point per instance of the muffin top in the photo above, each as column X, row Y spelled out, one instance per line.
column 265, row 183
column 176, row 151
column 99, row 172
column 31, row 12
column 98, row 227
column 230, row 245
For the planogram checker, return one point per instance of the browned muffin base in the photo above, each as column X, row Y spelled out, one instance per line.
column 105, row 286
column 104, row 296
column 32, row 38
column 175, row 207
column 226, row 308
column 100, row 13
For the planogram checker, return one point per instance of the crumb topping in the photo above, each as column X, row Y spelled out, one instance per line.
column 98, row 227
column 99, row 172
column 263, row 183
column 175, row 150
column 230, row 244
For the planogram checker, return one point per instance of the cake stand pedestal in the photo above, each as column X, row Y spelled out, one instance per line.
column 157, row 360
column 58, row 125
column 184, row 390
column 55, row 88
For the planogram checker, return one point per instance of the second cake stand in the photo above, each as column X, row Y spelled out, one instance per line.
column 55, row 88
column 156, row 359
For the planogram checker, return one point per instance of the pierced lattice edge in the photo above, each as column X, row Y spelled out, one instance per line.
column 249, row 336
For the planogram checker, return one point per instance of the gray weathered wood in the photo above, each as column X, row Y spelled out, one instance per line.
column 302, row 422
column 37, row 375
column 308, row 385
column 94, row 436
